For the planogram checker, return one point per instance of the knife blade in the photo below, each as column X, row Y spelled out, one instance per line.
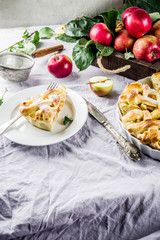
column 130, row 150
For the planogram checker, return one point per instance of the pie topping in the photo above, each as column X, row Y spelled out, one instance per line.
column 42, row 110
column 140, row 108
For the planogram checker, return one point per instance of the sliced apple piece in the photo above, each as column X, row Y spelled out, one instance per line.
column 60, row 30
column 101, row 85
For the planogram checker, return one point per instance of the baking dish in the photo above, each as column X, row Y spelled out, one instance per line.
column 153, row 153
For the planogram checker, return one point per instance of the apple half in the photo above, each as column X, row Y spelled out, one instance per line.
column 101, row 85
column 60, row 30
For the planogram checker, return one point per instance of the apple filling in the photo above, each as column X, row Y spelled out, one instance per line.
column 42, row 110
column 140, row 108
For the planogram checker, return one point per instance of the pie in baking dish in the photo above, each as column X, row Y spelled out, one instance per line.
column 43, row 109
column 140, row 108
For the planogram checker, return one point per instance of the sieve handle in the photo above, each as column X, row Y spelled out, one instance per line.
column 45, row 51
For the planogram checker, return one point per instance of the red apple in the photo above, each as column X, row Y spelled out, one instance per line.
column 60, row 65
column 100, row 33
column 155, row 30
column 138, row 23
column 101, row 85
column 127, row 12
column 123, row 41
column 147, row 48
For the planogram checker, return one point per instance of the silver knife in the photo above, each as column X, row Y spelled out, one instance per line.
column 130, row 150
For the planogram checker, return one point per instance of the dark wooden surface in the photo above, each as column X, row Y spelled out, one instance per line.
column 139, row 68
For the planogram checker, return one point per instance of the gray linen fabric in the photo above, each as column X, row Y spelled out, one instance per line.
column 84, row 188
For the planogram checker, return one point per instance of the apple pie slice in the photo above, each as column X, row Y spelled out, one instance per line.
column 43, row 109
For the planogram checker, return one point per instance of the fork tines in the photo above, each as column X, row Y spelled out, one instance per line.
column 52, row 85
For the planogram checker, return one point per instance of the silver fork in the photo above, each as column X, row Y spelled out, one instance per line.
column 6, row 125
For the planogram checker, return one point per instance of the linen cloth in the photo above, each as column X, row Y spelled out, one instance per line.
column 83, row 188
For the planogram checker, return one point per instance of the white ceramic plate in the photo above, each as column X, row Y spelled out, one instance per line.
column 153, row 153
column 23, row 132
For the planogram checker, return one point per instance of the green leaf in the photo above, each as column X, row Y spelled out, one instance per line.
column 110, row 18
column 155, row 16
column 12, row 49
column 46, row 32
column 98, row 53
column 128, row 55
column 36, row 37
column 83, row 56
column 148, row 5
column 28, row 48
column 67, row 120
column 66, row 38
column 20, row 44
column 1, row 99
column 80, row 27
column 120, row 12
column 104, row 50
column 83, row 41
column 98, row 19
column 130, row 3
column 90, row 42
column 25, row 34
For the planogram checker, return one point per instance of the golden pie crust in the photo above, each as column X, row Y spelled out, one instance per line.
column 43, row 109
column 140, row 108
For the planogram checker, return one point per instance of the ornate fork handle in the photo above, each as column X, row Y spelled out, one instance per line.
column 130, row 150
column 6, row 125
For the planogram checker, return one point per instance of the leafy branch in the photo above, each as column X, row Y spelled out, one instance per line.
column 1, row 99
column 19, row 42
column 28, row 43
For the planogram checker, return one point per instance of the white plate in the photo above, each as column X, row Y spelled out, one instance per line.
column 23, row 132
column 153, row 153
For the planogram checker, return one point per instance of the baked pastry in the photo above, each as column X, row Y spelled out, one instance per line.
column 43, row 109
column 155, row 79
column 140, row 108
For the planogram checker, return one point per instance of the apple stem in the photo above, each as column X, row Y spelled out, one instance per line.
column 99, row 81
column 56, row 57
column 4, row 93
column 154, row 54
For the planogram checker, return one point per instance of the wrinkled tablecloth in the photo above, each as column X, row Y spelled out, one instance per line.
column 84, row 188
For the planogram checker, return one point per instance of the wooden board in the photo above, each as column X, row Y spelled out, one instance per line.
column 139, row 68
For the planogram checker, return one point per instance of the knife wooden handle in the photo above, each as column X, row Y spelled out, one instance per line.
column 45, row 51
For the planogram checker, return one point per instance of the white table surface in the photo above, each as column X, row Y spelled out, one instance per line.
column 89, row 167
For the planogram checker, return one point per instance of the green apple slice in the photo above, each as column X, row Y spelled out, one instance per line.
column 60, row 30
column 101, row 85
